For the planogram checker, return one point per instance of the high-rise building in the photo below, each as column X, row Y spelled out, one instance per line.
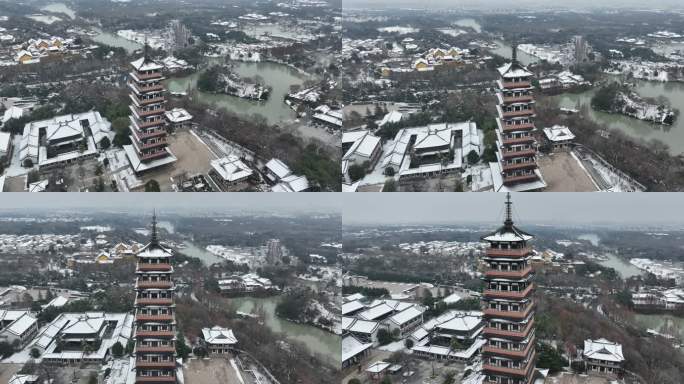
column 508, row 305
column 516, row 169
column 274, row 252
column 155, row 320
column 581, row 48
column 149, row 148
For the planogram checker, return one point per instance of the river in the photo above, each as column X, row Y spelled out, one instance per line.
column 624, row 268
column 672, row 135
column 193, row 250
column 662, row 323
column 320, row 342
column 60, row 8
column 278, row 76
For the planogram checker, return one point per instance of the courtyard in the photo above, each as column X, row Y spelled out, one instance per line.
column 211, row 371
column 563, row 173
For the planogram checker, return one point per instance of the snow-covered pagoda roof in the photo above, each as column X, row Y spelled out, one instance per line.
column 154, row 247
column 508, row 232
column 513, row 69
column 146, row 64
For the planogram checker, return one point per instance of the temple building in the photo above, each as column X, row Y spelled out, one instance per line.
column 148, row 148
column 155, row 320
column 516, row 168
column 508, row 306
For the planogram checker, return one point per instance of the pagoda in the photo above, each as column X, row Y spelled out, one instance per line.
column 155, row 320
column 148, row 148
column 508, row 306
column 516, row 167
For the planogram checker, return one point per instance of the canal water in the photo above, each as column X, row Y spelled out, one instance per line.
column 280, row 77
column 624, row 268
column 320, row 343
column 60, row 8
column 666, row 324
column 672, row 135
column 114, row 40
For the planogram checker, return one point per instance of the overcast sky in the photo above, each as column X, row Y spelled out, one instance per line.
column 500, row 4
column 169, row 202
column 541, row 208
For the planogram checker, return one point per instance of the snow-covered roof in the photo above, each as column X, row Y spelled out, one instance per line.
column 513, row 69
column 146, row 64
column 178, row 115
column 23, row 379
column 84, row 325
column 364, row 143
column 292, row 183
column 278, row 168
column 231, row 168
column 406, row 315
column 351, row 306
column 5, row 139
column 391, row 117
column 21, row 325
column 376, row 312
column 352, row 347
column 353, row 297
column 558, row 133
column 363, row 326
column 378, row 367
column 463, row 322
column 218, row 335
column 603, row 349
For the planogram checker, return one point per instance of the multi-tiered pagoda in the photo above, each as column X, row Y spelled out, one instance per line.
column 148, row 124
column 509, row 355
column 516, row 169
column 155, row 320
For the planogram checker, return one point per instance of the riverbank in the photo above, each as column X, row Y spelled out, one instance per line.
column 621, row 99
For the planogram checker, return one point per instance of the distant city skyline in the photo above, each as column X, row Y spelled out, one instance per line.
column 286, row 203
column 528, row 208
column 517, row 4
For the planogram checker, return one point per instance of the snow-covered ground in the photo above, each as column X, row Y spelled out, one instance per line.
column 393, row 347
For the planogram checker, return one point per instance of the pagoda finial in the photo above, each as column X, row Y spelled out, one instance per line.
column 514, row 54
column 146, row 49
column 509, row 216
column 153, row 238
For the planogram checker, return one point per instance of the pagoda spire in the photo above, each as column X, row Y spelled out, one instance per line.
column 154, row 239
column 514, row 54
column 509, row 214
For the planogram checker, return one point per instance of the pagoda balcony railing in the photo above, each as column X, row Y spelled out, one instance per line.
column 155, row 379
column 517, row 127
column 518, row 140
column 143, row 113
column 154, row 267
column 165, row 349
column 144, row 88
column 146, row 76
column 162, row 334
column 509, row 294
column 510, row 153
column 522, row 372
column 519, row 178
column 508, row 352
column 155, row 364
column 155, row 318
column 519, row 274
column 148, row 134
column 524, row 112
column 154, row 284
column 152, row 100
column 510, row 252
column 518, row 99
column 160, row 142
column 154, row 155
column 517, row 166
column 516, row 84
column 157, row 301
column 146, row 124
column 517, row 315
column 509, row 334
